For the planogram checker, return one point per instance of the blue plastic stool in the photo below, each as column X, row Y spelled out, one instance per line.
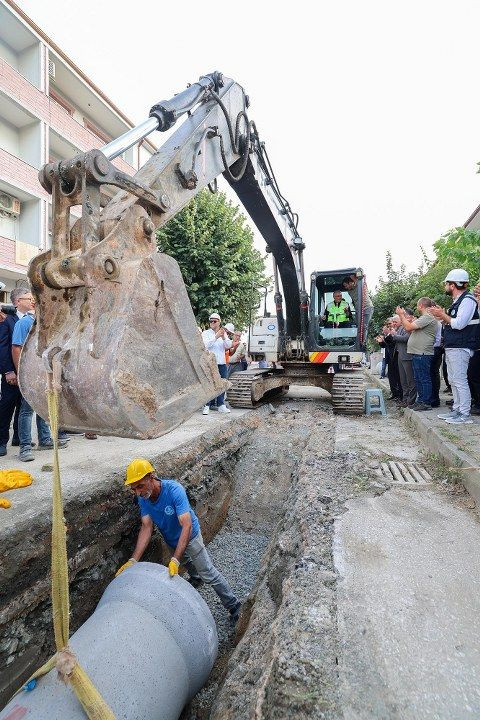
column 374, row 394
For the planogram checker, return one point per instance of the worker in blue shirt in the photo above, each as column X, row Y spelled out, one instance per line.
column 164, row 502
column 45, row 442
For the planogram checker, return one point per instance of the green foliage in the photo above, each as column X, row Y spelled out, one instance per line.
column 460, row 248
column 213, row 246
column 398, row 287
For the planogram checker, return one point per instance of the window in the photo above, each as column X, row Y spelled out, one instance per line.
column 62, row 102
column 96, row 131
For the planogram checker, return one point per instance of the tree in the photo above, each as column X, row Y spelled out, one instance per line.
column 213, row 246
column 398, row 287
column 457, row 248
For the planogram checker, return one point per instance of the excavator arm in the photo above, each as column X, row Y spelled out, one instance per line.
column 113, row 317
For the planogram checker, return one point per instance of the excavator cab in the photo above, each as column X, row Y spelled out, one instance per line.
column 336, row 332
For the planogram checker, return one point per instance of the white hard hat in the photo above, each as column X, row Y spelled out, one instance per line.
column 457, row 276
column 230, row 327
column 214, row 316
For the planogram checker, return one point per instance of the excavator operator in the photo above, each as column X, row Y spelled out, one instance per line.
column 338, row 312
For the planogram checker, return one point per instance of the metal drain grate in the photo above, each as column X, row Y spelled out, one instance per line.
column 407, row 475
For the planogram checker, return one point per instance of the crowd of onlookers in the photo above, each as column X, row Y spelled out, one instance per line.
column 419, row 345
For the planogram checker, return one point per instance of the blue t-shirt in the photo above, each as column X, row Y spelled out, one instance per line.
column 21, row 329
column 165, row 510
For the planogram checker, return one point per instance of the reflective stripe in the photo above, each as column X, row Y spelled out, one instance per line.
column 474, row 322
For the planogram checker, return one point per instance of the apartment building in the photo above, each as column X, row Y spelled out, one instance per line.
column 49, row 111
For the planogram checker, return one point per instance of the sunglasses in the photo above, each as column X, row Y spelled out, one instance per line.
column 212, row 321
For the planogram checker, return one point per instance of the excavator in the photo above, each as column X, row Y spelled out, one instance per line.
column 113, row 318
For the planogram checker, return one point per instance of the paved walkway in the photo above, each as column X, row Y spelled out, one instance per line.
column 408, row 592
column 465, row 437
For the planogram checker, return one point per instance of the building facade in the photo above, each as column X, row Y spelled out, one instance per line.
column 49, row 111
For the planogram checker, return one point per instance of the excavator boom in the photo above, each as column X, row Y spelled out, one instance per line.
column 113, row 316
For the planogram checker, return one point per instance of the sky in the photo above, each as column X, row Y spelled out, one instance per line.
column 369, row 110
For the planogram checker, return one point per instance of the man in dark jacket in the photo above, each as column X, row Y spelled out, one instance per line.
column 407, row 380
column 11, row 398
column 386, row 340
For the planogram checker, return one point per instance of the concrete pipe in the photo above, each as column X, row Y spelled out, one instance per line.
column 149, row 647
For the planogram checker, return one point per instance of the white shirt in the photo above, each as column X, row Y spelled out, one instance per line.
column 465, row 313
column 216, row 345
column 20, row 314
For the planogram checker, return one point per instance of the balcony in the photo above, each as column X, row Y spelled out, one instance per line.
column 19, row 47
column 20, row 132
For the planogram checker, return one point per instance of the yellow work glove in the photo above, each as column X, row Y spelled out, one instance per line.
column 4, row 503
column 126, row 565
column 173, row 566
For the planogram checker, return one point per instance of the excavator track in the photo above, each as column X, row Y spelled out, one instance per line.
column 348, row 391
column 249, row 387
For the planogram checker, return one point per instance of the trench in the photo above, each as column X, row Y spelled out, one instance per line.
column 266, row 488
column 263, row 471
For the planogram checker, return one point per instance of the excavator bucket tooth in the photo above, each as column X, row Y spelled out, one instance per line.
column 133, row 363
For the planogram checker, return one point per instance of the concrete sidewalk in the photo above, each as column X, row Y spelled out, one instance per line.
column 458, row 446
column 85, row 464
column 408, row 608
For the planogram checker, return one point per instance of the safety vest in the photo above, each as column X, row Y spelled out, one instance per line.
column 337, row 313
column 469, row 337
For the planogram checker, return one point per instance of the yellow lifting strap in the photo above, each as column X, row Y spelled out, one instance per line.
column 67, row 665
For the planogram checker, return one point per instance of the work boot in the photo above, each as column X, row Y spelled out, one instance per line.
column 206, row 409
column 235, row 612
column 49, row 445
column 475, row 410
column 26, row 453
column 3, row 450
column 421, row 407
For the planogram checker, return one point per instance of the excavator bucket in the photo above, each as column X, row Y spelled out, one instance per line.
column 132, row 360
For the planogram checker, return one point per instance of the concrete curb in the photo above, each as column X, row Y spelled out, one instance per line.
column 438, row 444
column 376, row 380
column 448, row 451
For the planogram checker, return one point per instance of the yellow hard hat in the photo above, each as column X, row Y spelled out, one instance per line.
column 137, row 470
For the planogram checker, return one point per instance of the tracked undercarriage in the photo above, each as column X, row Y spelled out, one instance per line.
column 251, row 387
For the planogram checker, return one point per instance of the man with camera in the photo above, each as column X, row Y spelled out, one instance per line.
column 216, row 340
